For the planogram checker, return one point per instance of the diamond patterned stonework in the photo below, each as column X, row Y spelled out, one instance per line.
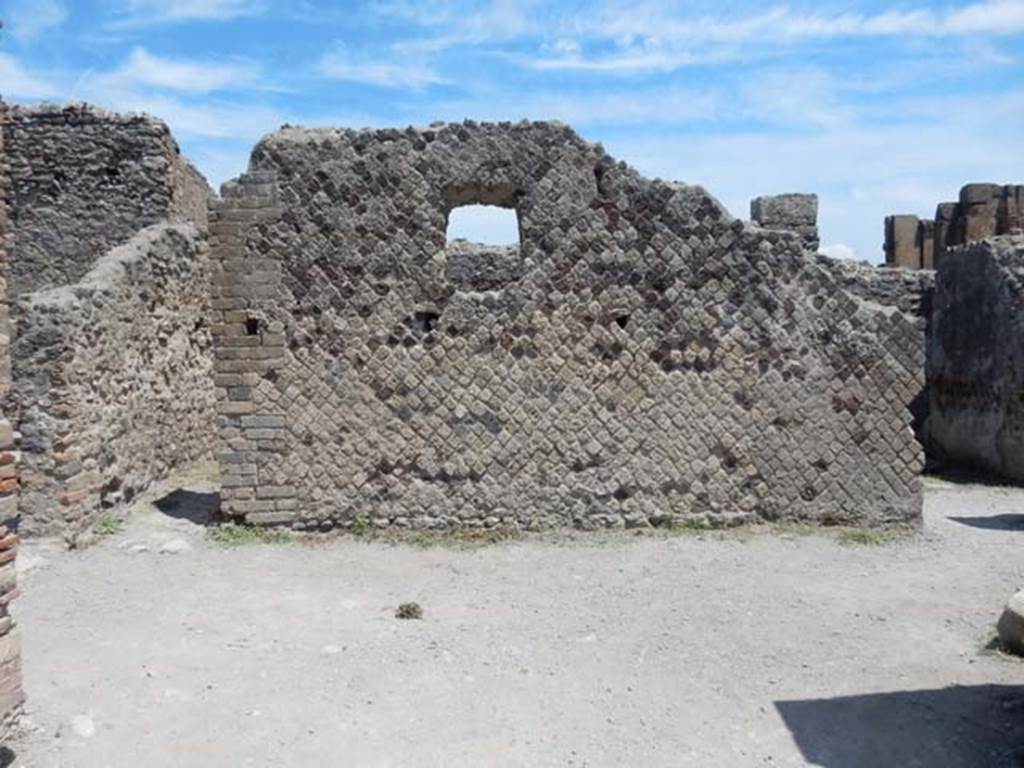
column 644, row 358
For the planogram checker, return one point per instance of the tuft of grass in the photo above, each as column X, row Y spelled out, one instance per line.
column 459, row 537
column 238, row 535
column 863, row 537
column 673, row 525
column 107, row 525
column 409, row 611
column 361, row 526
column 691, row 525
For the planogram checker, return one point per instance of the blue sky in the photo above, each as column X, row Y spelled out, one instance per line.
column 877, row 107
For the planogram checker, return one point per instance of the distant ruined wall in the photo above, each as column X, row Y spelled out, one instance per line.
column 984, row 210
column 976, row 357
column 85, row 180
column 793, row 212
column 650, row 359
column 114, row 379
column 909, row 242
column 11, row 695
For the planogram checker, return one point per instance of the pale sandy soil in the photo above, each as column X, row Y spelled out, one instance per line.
column 749, row 649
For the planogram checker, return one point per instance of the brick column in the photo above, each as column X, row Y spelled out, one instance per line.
column 249, row 346
column 11, row 696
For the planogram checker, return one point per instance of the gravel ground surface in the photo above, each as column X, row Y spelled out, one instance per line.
column 160, row 647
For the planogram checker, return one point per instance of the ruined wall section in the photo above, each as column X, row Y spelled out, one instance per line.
column 976, row 357
column 983, row 211
column 911, row 292
column 11, row 695
column 653, row 360
column 791, row 212
column 85, row 180
column 114, row 379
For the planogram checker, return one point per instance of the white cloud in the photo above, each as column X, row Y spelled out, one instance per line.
column 143, row 68
column 27, row 19
column 998, row 17
column 840, row 251
column 655, row 38
column 340, row 66
column 862, row 172
column 496, row 21
column 218, row 120
column 653, row 23
column 619, row 62
column 18, row 82
column 138, row 12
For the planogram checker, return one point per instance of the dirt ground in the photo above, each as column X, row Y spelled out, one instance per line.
column 773, row 648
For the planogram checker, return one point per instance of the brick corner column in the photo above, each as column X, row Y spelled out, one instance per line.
column 248, row 347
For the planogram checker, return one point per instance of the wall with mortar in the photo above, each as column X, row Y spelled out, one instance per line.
column 84, row 180
column 652, row 359
column 11, row 696
column 976, row 357
column 113, row 379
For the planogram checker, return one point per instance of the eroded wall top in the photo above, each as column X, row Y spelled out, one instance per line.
column 84, row 180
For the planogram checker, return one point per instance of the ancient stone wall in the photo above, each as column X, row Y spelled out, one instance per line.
column 984, row 210
column 114, row 379
column 85, row 180
column 909, row 242
column 793, row 212
column 911, row 293
column 11, row 696
column 651, row 359
column 976, row 357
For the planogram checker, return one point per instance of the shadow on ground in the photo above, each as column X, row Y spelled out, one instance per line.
column 963, row 474
column 981, row 725
column 1006, row 522
column 7, row 757
column 195, row 506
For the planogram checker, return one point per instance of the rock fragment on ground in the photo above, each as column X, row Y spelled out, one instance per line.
column 1011, row 625
column 175, row 546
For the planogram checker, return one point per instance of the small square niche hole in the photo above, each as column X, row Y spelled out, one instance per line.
column 252, row 326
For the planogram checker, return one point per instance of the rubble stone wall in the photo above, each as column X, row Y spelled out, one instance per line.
column 114, row 379
column 11, row 696
column 83, row 181
column 653, row 359
column 976, row 357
